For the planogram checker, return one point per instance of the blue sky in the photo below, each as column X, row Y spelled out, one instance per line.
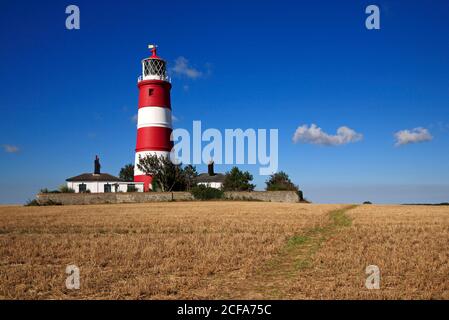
column 67, row 95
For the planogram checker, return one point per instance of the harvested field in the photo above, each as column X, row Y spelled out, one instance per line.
column 199, row 250
column 408, row 243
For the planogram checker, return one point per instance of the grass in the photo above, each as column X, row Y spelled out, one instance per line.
column 294, row 257
column 339, row 217
column 297, row 240
column 314, row 237
column 218, row 249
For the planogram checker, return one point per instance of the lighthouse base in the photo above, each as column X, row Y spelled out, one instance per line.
column 146, row 181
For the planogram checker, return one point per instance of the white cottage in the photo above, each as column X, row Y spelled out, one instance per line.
column 211, row 179
column 98, row 182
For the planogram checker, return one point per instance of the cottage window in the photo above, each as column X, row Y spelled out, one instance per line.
column 82, row 188
column 107, row 188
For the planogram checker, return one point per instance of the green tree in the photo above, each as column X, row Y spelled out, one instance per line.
column 127, row 172
column 167, row 175
column 236, row 180
column 280, row 181
column 190, row 175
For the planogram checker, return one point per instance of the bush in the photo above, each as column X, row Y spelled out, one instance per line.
column 201, row 192
column 367, row 202
column 304, row 200
column 45, row 190
column 35, row 203
column 32, row 203
column 65, row 189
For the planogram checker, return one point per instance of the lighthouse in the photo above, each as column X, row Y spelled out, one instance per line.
column 154, row 117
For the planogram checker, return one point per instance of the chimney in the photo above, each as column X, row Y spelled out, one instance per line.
column 97, row 165
column 210, row 168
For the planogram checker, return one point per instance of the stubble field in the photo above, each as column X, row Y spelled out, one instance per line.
column 213, row 250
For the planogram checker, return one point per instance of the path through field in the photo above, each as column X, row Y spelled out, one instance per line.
column 407, row 243
column 274, row 279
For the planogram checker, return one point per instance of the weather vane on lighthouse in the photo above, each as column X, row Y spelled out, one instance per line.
column 153, row 49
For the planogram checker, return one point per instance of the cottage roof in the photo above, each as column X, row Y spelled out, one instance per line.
column 92, row 177
column 206, row 178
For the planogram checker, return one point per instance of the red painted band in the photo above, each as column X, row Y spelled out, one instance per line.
column 154, row 149
column 154, row 139
column 154, row 93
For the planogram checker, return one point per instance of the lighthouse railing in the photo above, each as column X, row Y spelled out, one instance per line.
column 154, row 77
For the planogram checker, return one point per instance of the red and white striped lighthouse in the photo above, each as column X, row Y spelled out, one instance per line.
column 154, row 119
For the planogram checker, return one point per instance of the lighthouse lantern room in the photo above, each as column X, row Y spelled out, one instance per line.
column 154, row 117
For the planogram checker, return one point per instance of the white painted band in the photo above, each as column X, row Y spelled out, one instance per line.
column 154, row 117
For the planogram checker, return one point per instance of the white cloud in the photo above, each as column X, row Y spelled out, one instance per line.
column 316, row 135
column 182, row 68
column 173, row 118
column 10, row 148
column 412, row 136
